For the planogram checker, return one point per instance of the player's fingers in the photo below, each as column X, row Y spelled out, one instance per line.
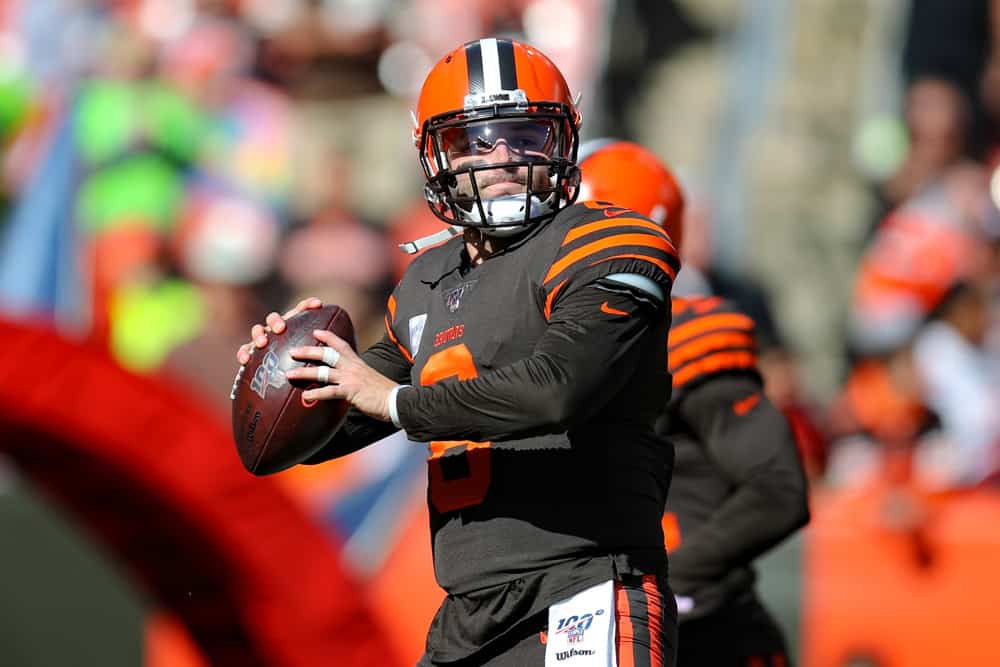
column 330, row 357
column 307, row 353
column 322, row 374
column 275, row 322
column 324, row 393
column 302, row 306
column 259, row 335
column 333, row 340
column 243, row 354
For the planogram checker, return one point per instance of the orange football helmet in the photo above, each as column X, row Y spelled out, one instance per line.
column 628, row 175
column 483, row 95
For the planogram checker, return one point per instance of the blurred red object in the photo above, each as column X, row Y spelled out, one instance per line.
column 812, row 444
column 169, row 644
column 155, row 480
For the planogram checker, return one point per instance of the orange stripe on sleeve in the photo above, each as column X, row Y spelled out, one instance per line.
column 713, row 341
column 702, row 306
column 722, row 361
column 392, row 337
column 619, row 240
column 669, row 270
column 689, row 330
column 679, row 306
column 550, row 299
column 601, row 225
column 392, row 308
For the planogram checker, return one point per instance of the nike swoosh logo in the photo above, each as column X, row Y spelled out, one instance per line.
column 745, row 405
column 605, row 308
column 613, row 212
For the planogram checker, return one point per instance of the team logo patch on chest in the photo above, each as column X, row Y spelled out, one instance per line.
column 453, row 297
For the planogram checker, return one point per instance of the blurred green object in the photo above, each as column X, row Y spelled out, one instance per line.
column 881, row 145
column 135, row 141
column 116, row 117
column 143, row 188
column 149, row 321
column 104, row 120
column 15, row 101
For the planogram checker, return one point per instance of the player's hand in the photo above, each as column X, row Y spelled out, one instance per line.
column 274, row 323
column 348, row 378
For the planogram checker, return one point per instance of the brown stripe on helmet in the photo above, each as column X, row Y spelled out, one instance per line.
column 474, row 66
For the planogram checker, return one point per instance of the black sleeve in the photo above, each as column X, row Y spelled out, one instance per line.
column 359, row 430
column 566, row 379
column 750, row 442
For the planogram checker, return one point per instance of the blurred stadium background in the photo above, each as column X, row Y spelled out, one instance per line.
column 171, row 170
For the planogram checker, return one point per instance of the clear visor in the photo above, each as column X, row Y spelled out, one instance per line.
column 524, row 139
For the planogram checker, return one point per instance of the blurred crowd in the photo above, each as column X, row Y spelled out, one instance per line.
column 172, row 170
column 923, row 336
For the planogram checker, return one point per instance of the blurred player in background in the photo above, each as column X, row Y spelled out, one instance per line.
column 534, row 346
column 738, row 487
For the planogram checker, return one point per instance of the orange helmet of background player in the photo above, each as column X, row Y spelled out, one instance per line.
column 484, row 89
column 628, row 175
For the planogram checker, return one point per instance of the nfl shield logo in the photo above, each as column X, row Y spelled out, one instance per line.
column 453, row 297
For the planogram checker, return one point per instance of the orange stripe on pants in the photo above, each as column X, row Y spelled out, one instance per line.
column 654, row 609
column 624, row 632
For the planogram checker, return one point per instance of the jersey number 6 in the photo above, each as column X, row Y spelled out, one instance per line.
column 468, row 485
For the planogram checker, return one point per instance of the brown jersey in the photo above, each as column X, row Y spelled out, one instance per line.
column 738, row 486
column 537, row 383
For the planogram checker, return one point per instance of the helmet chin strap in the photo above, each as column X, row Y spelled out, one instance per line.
column 413, row 247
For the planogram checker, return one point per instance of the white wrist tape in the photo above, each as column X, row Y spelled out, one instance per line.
column 393, row 411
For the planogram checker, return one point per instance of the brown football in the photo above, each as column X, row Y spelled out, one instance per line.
column 274, row 428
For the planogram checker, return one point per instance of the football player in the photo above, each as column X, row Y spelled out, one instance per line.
column 528, row 352
column 738, row 485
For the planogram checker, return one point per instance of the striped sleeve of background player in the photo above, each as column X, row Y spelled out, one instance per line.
column 625, row 243
column 709, row 336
